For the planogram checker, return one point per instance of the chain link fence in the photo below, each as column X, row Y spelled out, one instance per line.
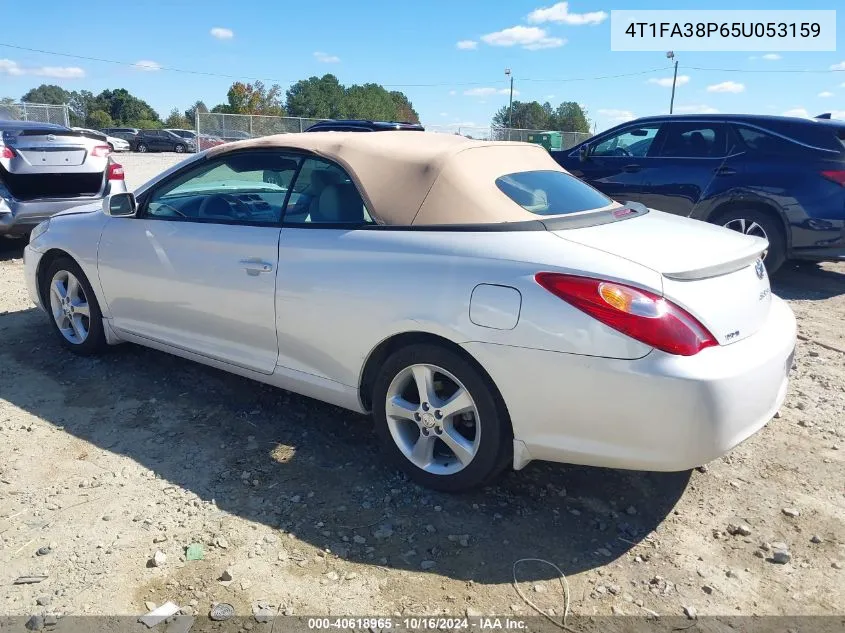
column 38, row 112
column 233, row 127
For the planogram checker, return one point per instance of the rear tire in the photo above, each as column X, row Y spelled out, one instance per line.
column 760, row 224
column 74, row 311
column 447, row 448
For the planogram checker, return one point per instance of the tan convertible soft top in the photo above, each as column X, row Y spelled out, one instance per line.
column 421, row 178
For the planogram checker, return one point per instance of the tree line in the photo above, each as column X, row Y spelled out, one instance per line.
column 316, row 97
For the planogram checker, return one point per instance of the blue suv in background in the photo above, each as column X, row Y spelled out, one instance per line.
column 780, row 178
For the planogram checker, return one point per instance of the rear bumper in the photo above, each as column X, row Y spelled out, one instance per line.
column 660, row 412
column 19, row 217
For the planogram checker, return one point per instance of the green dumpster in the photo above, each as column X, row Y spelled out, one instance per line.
column 549, row 140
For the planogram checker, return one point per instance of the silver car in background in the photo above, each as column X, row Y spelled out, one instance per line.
column 47, row 168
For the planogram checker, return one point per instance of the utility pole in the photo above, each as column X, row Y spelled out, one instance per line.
column 671, row 55
column 510, row 103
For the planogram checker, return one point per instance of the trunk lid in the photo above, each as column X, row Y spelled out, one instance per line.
column 710, row 271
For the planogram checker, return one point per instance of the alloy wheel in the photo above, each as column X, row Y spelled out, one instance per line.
column 433, row 419
column 69, row 307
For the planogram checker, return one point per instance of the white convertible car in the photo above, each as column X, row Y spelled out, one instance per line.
column 486, row 306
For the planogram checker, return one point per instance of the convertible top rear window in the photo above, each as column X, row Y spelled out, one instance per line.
column 551, row 192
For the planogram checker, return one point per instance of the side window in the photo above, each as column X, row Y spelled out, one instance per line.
column 633, row 141
column 760, row 141
column 695, row 140
column 325, row 194
column 244, row 188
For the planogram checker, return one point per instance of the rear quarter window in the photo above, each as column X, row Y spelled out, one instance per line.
column 760, row 141
column 551, row 192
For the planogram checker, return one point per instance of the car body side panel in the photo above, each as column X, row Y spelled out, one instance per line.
column 203, row 287
column 340, row 293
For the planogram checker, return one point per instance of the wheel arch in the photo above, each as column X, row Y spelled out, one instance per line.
column 756, row 205
column 44, row 264
column 388, row 346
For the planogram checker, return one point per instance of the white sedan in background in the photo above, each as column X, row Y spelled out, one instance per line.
column 114, row 143
column 487, row 307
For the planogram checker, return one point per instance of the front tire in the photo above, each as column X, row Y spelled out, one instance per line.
column 74, row 311
column 142, row 147
column 759, row 224
column 440, row 420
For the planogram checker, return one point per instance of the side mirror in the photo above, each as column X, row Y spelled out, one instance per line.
column 120, row 205
column 584, row 152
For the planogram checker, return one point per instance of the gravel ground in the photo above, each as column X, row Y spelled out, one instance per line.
column 111, row 467
column 139, row 168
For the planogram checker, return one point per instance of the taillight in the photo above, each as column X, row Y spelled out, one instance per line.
column 115, row 171
column 640, row 314
column 7, row 152
column 836, row 175
column 101, row 150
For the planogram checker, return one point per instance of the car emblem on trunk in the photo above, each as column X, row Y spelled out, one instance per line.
column 51, row 137
column 760, row 269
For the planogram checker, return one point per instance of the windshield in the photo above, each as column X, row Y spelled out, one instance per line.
column 551, row 192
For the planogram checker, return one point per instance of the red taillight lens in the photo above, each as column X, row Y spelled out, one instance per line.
column 115, row 171
column 101, row 150
column 7, row 152
column 640, row 314
column 836, row 175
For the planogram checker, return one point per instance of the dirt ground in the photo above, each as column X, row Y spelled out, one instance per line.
column 104, row 462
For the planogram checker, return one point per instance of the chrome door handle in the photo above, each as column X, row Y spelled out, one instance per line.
column 255, row 265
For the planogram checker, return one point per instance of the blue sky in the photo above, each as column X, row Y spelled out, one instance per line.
column 413, row 47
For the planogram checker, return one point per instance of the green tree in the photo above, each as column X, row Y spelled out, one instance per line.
column 316, row 97
column 125, row 108
column 571, row 117
column 47, row 93
column 567, row 117
column 191, row 113
column 178, row 120
column 368, row 101
column 404, row 108
column 98, row 119
column 255, row 98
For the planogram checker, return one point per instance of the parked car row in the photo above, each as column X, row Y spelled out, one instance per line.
column 779, row 178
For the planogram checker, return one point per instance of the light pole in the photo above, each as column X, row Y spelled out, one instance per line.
column 510, row 103
column 671, row 55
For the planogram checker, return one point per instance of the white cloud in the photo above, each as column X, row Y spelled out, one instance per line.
column 147, row 65
column 666, row 82
column 444, row 114
column 528, row 37
column 839, row 66
column 486, row 92
column 452, row 93
column 838, row 114
column 825, row 94
column 549, row 97
column 559, row 13
column 11, row 67
column 771, row 57
column 727, row 86
column 799, row 112
column 467, row 45
column 696, row 109
column 325, row 58
column 222, row 33
column 617, row 116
